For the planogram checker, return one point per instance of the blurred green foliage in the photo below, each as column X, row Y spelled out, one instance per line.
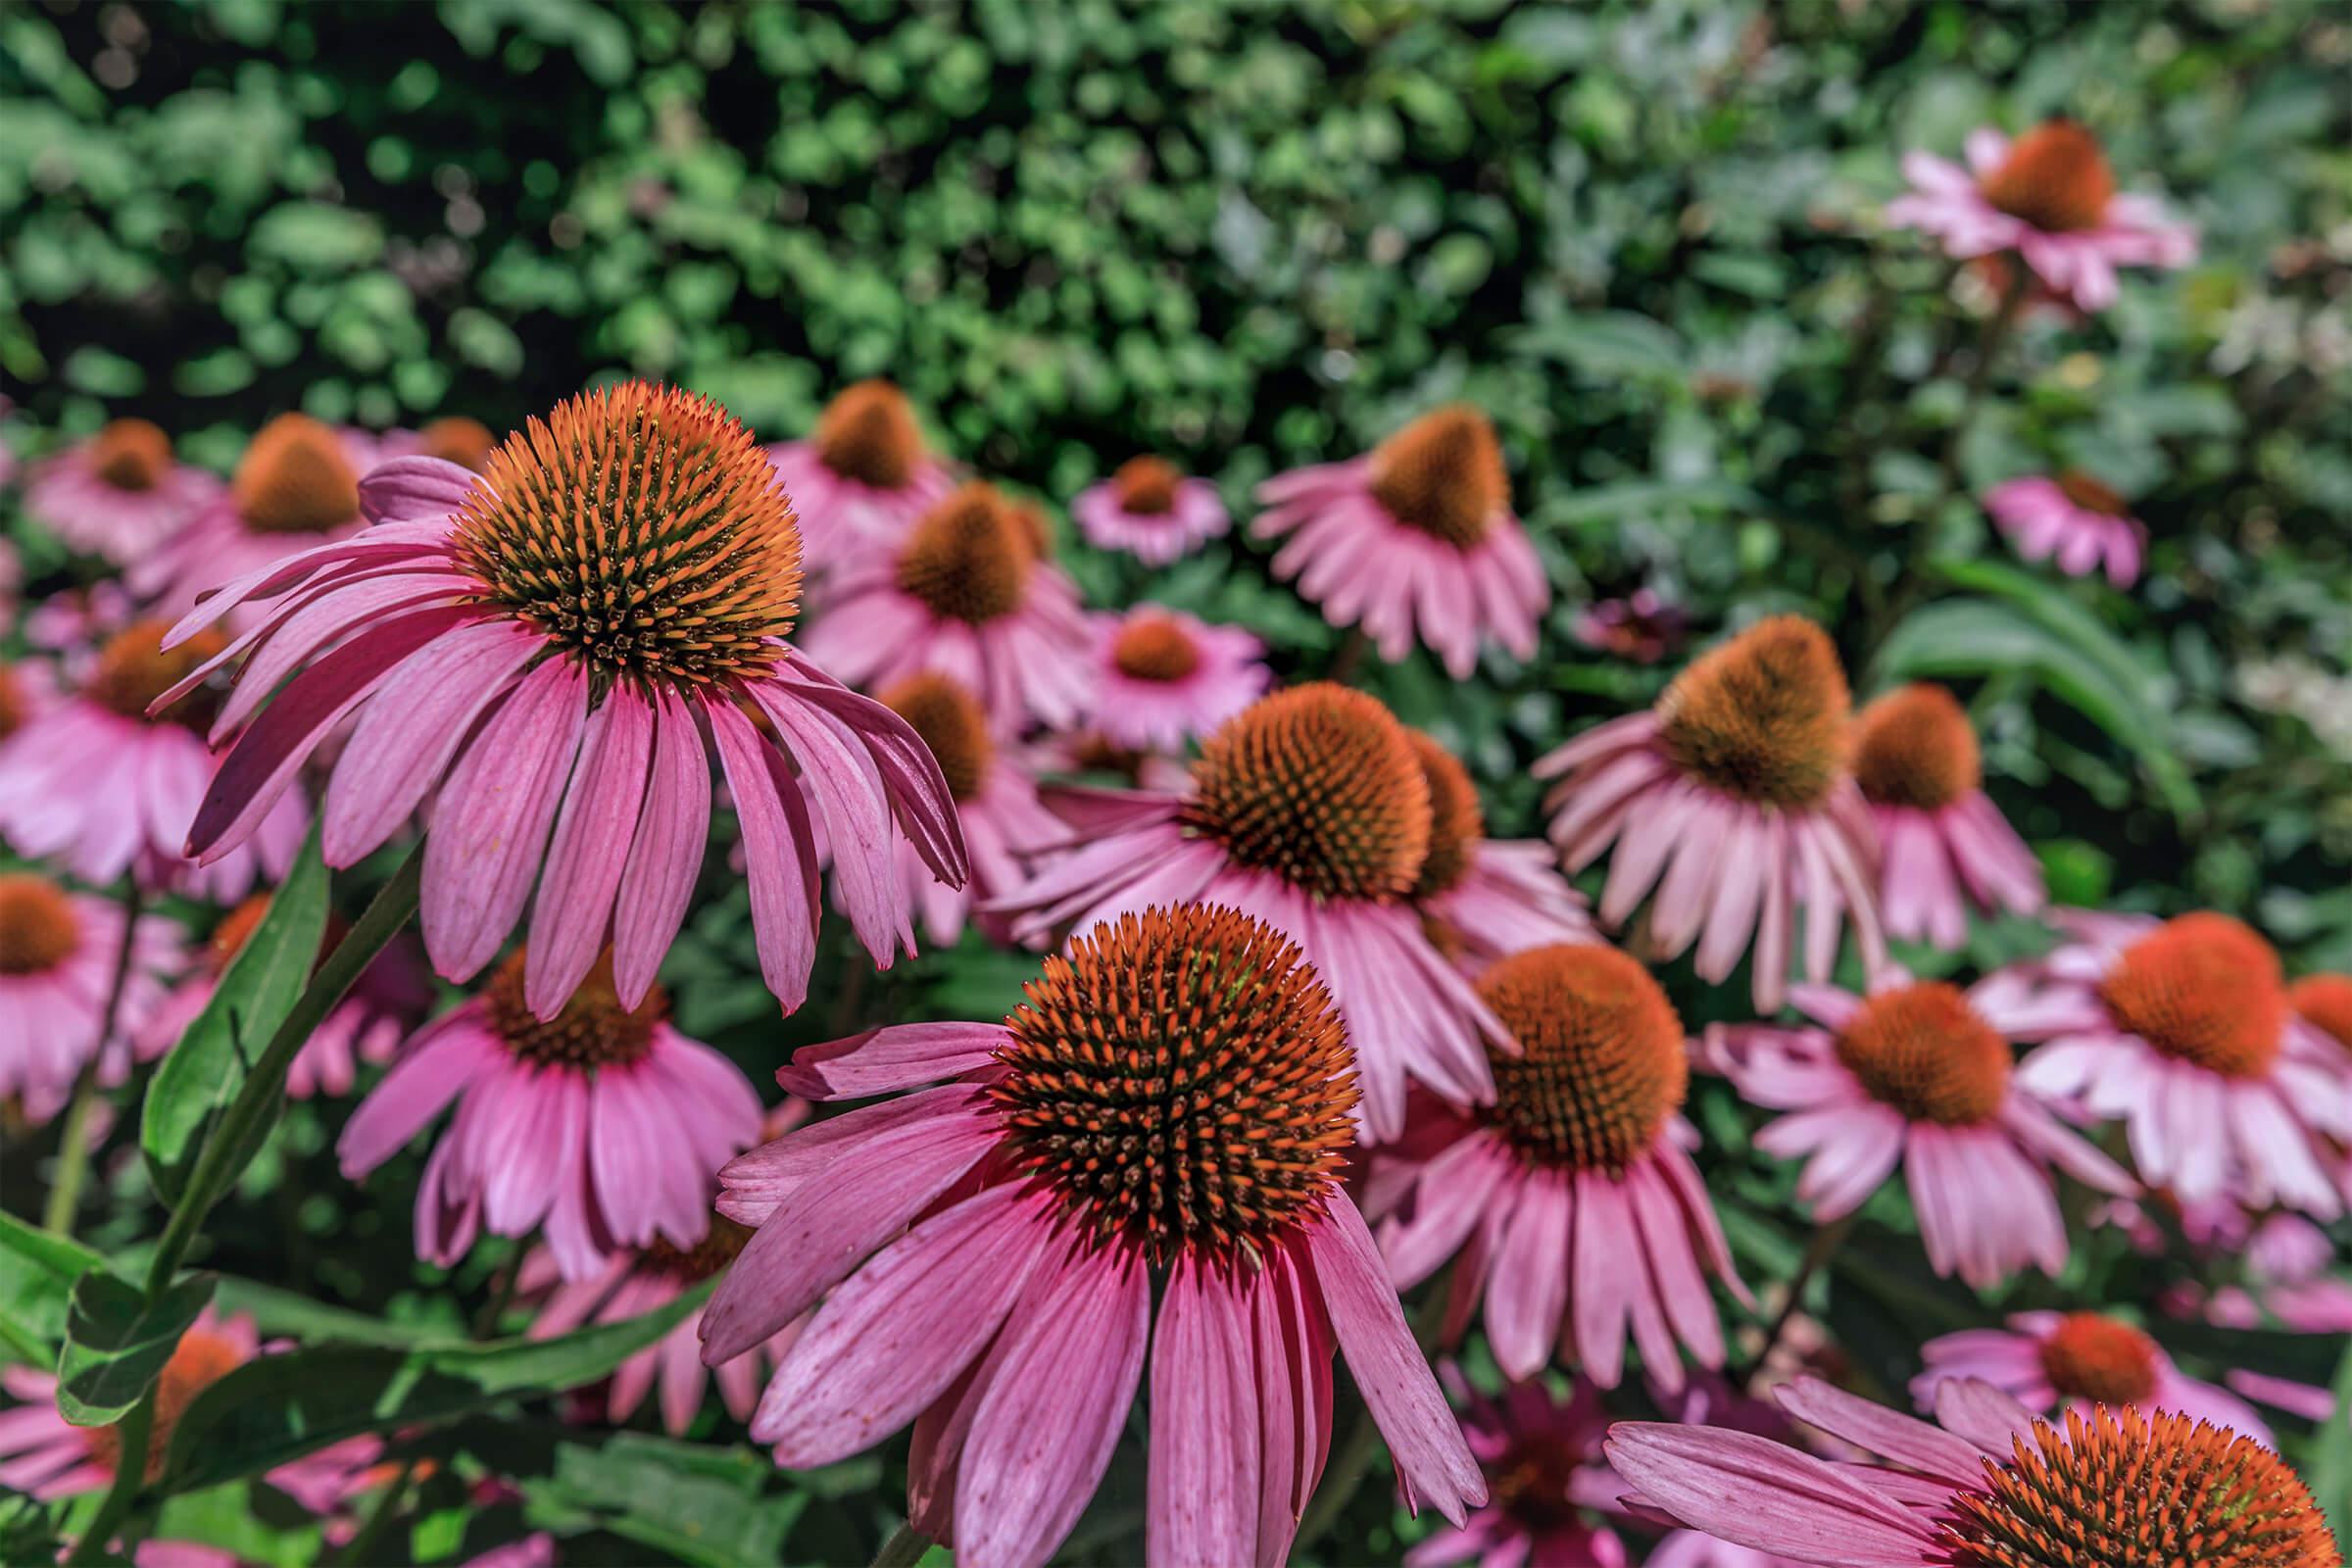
column 1643, row 236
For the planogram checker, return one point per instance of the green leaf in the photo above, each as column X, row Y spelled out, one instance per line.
column 1985, row 637
column 699, row 1505
column 2332, row 1455
column 280, row 1407
column 38, row 1273
column 286, row 1314
column 202, row 1073
column 117, row 1342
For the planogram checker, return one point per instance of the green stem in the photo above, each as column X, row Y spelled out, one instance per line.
column 1350, row 657
column 230, row 1143
column 1826, row 1242
column 74, row 1153
column 904, row 1549
column 130, row 1472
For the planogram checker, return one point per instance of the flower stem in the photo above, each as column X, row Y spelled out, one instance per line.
column 1350, row 657
column 74, row 1151
column 231, row 1144
column 904, row 1549
column 130, row 1470
column 1826, row 1242
column 360, row 1548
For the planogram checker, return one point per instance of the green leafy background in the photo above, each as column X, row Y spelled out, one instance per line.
column 1643, row 236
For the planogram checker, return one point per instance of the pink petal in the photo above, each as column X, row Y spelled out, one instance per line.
column 591, row 845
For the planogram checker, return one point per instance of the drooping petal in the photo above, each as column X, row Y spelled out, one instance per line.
column 589, row 850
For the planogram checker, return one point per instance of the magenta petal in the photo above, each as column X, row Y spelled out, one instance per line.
column 415, row 489
column 779, row 854
column 1292, row 1344
column 584, row 861
column 665, row 852
column 1765, row 1495
column 1888, row 1433
column 1395, row 1382
column 491, row 820
column 1205, row 1469
column 899, row 1330
column 1052, row 1411
column 881, row 1061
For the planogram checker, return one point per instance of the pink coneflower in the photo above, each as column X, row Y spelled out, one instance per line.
column 996, row 799
column 2325, row 1002
column 1643, row 627
column 1150, row 510
column 27, row 690
column 57, row 968
column 103, row 789
column 1163, row 678
column 1166, row 1115
column 600, row 1122
column 295, row 488
column 1919, row 1075
column 2050, row 197
column 1075, row 753
column 2181, row 1029
column 120, row 494
column 366, row 1025
column 1546, row 1478
column 2045, row 1360
column 1734, row 796
column 487, row 631
column 1480, row 898
column 1571, row 1203
column 967, row 593
column 1942, row 843
column 1415, row 539
column 863, row 477
column 44, row 1456
column 2073, row 520
column 1992, row 1485
column 1309, row 811
column 453, row 438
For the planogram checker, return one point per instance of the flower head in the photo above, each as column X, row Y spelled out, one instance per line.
column 1163, row 680
column 1483, row 898
column 965, row 591
column 862, row 477
column 43, row 1457
column 2073, row 519
column 1546, row 1478
column 2182, row 1030
column 1310, row 811
column 1569, row 1204
column 1732, row 796
column 57, row 965
column 1165, row 1117
column 456, row 439
column 1991, row 1485
column 1414, row 541
column 2050, row 196
column 120, row 494
column 1151, row 509
column 542, row 649
column 599, row 1121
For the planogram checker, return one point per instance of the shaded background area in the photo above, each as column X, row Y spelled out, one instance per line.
column 1644, row 238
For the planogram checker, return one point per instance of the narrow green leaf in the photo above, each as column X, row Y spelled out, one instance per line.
column 278, row 1313
column 203, row 1071
column 117, row 1342
column 37, row 1271
column 280, row 1407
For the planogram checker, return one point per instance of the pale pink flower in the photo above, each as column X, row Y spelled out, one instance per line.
column 1733, row 796
column 120, row 494
column 295, row 488
column 104, row 790
column 1309, row 811
column 1919, row 1077
column 1054, row 1186
column 1413, row 541
column 1151, row 510
column 1572, row 1203
column 2049, row 196
column 488, row 632
column 2181, row 1029
column 1988, row 1475
column 601, row 1123
column 863, row 477
column 996, row 799
column 57, row 968
column 2072, row 518
column 1481, row 899
column 2048, row 1360
column 42, row 1455
column 1165, row 679
column 1545, row 1479
column 453, row 438
column 1944, row 845
column 969, row 592
column 366, row 1025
